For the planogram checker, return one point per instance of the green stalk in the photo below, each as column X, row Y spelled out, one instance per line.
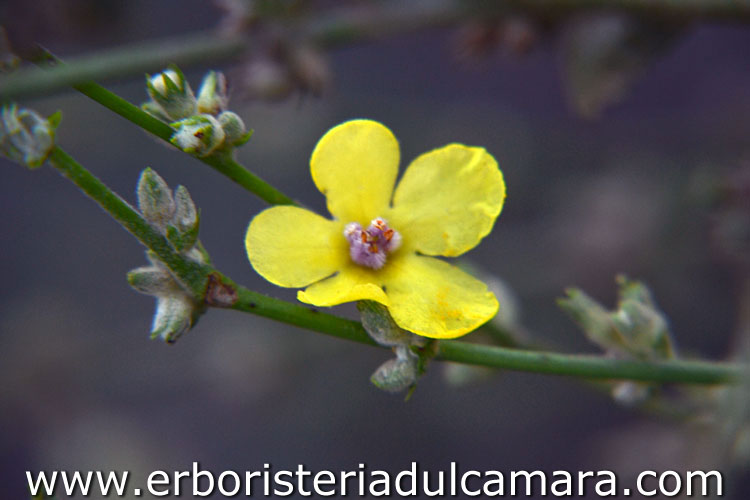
column 593, row 367
column 205, row 281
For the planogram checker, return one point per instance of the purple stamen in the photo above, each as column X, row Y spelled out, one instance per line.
column 369, row 247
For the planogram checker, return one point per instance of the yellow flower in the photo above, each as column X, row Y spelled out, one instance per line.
column 380, row 244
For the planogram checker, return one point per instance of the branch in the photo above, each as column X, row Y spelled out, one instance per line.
column 205, row 281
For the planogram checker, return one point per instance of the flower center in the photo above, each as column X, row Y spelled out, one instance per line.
column 369, row 247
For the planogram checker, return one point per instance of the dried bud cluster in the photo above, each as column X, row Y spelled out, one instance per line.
column 637, row 329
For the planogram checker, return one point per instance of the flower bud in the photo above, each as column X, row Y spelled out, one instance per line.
column 399, row 373
column 593, row 319
column 152, row 280
column 155, row 200
column 176, row 309
column 234, row 128
column 212, row 95
column 182, row 230
column 379, row 324
column 26, row 137
column 172, row 93
column 200, row 135
column 641, row 322
column 175, row 314
column 646, row 330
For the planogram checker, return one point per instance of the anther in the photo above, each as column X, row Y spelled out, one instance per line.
column 369, row 247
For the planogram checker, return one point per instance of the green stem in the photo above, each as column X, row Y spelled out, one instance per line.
column 223, row 163
column 205, row 281
column 599, row 367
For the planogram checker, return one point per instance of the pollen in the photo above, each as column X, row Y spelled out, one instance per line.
column 370, row 247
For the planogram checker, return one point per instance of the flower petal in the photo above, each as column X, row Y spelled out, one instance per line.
column 448, row 200
column 352, row 283
column 355, row 165
column 435, row 299
column 293, row 247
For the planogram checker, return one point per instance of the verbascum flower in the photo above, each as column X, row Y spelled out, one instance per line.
column 381, row 244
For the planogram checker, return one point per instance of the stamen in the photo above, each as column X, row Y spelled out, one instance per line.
column 369, row 247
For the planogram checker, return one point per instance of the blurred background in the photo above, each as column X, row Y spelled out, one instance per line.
column 625, row 150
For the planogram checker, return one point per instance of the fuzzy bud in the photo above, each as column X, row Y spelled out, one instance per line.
column 593, row 319
column 155, row 200
column 399, row 373
column 170, row 91
column 175, row 314
column 212, row 95
column 182, row 231
column 234, row 128
column 200, row 135
column 379, row 324
column 26, row 137
column 152, row 280
column 176, row 309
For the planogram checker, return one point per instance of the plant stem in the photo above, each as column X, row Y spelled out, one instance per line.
column 223, row 163
column 200, row 278
column 599, row 367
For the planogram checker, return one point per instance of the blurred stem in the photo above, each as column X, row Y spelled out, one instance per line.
column 339, row 26
column 201, row 278
column 224, row 163
column 121, row 62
